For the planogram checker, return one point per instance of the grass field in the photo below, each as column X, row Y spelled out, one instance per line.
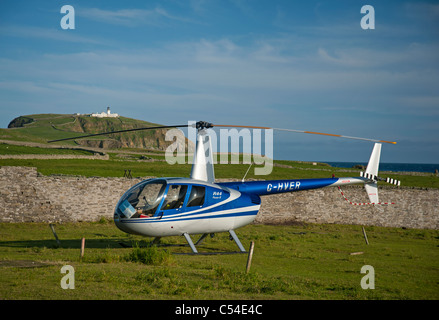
column 307, row 261
column 10, row 149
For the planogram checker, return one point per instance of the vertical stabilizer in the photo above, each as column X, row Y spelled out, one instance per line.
column 202, row 168
column 374, row 161
column 372, row 171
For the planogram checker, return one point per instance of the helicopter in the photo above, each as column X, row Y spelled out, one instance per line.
column 198, row 205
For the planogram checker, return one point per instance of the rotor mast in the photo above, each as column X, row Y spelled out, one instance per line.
column 202, row 167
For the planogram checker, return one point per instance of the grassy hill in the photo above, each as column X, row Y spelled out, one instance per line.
column 43, row 127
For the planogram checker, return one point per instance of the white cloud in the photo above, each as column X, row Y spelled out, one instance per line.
column 131, row 17
column 46, row 33
column 221, row 67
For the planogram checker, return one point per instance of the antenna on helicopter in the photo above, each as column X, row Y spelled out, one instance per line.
column 247, row 172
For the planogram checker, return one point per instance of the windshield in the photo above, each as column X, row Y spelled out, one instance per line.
column 142, row 200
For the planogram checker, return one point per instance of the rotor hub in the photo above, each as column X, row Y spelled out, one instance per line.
column 200, row 125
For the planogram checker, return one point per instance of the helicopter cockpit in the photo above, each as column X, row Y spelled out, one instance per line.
column 152, row 197
column 142, row 199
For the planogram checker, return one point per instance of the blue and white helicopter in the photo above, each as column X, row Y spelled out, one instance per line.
column 164, row 207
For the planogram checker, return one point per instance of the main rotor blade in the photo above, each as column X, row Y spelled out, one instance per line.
column 230, row 126
column 202, row 124
column 309, row 132
column 119, row 131
column 335, row 135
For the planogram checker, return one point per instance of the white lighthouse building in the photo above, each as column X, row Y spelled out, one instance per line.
column 107, row 114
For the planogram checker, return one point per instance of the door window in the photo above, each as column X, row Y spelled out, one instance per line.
column 175, row 197
column 196, row 197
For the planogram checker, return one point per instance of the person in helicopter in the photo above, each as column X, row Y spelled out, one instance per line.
column 175, row 197
column 148, row 200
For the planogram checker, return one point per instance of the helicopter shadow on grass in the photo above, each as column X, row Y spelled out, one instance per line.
column 115, row 243
column 65, row 243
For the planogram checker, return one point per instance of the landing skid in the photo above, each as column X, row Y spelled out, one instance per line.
column 195, row 251
column 191, row 244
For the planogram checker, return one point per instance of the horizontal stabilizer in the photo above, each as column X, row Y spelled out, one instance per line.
column 393, row 181
column 388, row 180
column 368, row 176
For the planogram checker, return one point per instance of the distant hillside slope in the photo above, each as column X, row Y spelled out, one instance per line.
column 43, row 127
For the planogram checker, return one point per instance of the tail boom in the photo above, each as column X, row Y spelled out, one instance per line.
column 262, row 188
column 369, row 178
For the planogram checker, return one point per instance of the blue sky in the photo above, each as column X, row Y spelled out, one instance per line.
column 304, row 65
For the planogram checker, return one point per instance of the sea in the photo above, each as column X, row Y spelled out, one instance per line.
column 395, row 167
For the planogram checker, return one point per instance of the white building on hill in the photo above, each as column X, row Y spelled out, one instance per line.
column 107, row 114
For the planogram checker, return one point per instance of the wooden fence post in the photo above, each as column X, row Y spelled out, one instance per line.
column 82, row 247
column 250, row 256
column 365, row 236
column 54, row 233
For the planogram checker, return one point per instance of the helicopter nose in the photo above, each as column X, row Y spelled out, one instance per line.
column 121, row 226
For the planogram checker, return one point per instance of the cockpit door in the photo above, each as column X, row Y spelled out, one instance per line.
column 174, row 201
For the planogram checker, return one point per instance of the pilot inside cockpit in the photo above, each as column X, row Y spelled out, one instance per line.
column 149, row 199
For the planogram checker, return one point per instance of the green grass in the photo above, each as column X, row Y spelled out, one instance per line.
column 101, row 168
column 10, row 149
column 309, row 261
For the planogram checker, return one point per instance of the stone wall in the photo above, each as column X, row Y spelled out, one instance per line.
column 26, row 196
column 412, row 208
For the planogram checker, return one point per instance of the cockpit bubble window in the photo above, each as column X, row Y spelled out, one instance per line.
column 196, row 197
column 175, row 197
column 143, row 199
